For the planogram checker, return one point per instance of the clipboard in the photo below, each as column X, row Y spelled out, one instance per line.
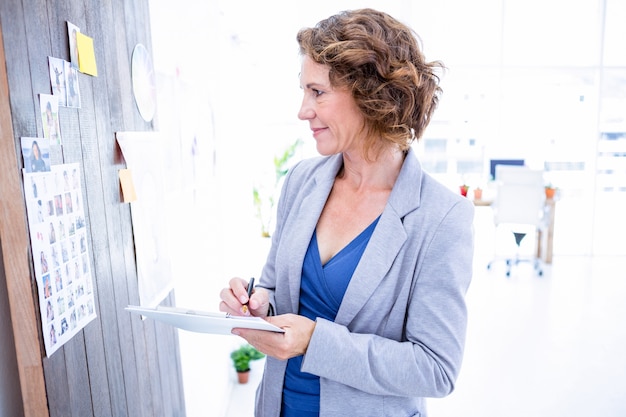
column 202, row 321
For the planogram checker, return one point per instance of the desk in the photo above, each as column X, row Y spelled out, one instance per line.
column 545, row 236
column 482, row 203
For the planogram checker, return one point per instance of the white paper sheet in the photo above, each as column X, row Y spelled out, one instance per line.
column 202, row 321
column 143, row 153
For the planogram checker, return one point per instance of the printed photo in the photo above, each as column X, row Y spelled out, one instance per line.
column 71, row 81
column 57, row 79
column 49, row 311
column 49, row 106
column 47, row 286
column 36, row 154
column 53, row 336
column 72, row 31
column 58, row 204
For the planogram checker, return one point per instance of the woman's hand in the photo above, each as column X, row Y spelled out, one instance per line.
column 236, row 296
column 294, row 342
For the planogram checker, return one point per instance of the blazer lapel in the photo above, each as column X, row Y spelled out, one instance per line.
column 384, row 245
column 305, row 221
column 386, row 241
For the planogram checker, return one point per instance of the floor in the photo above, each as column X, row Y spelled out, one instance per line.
column 549, row 346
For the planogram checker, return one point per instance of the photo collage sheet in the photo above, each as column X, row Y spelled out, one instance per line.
column 58, row 237
column 54, row 204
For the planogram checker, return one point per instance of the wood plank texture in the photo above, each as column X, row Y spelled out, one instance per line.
column 118, row 365
column 14, row 243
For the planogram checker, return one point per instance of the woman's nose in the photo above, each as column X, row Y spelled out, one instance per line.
column 306, row 111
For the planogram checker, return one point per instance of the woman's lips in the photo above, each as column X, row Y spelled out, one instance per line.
column 317, row 130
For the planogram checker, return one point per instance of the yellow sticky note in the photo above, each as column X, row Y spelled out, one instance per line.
column 86, row 55
column 128, row 187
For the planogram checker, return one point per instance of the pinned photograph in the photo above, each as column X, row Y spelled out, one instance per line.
column 49, row 105
column 57, row 79
column 71, row 81
column 72, row 33
column 36, row 153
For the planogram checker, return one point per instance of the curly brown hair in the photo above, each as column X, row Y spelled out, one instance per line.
column 379, row 60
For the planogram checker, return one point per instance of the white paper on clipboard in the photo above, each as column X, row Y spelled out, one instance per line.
column 202, row 321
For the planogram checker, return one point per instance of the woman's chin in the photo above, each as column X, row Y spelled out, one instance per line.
column 325, row 150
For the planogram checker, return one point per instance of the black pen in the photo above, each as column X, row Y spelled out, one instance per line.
column 250, row 287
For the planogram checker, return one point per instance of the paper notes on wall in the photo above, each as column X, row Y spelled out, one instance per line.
column 86, row 55
column 128, row 187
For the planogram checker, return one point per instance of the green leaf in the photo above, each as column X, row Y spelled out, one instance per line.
column 241, row 357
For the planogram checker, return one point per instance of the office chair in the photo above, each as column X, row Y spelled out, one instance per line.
column 519, row 206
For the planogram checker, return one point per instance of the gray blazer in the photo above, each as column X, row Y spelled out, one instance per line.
column 400, row 331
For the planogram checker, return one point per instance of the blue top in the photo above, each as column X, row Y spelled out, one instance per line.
column 322, row 289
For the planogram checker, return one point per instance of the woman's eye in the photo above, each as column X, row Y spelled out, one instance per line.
column 317, row 92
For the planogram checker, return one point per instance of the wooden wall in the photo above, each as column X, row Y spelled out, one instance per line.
column 118, row 365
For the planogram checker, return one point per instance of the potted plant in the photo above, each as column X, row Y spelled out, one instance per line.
column 463, row 188
column 550, row 191
column 241, row 360
column 264, row 197
column 478, row 193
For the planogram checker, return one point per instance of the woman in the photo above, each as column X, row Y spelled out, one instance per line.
column 371, row 257
column 44, row 263
column 37, row 164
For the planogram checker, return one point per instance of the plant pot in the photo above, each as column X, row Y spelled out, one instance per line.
column 550, row 193
column 478, row 194
column 243, row 377
column 463, row 189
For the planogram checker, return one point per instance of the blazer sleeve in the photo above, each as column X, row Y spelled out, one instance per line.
column 424, row 361
column 269, row 274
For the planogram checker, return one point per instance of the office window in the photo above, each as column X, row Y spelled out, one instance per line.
column 553, row 94
column 435, row 146
column 435, row 166
column 614, row 33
